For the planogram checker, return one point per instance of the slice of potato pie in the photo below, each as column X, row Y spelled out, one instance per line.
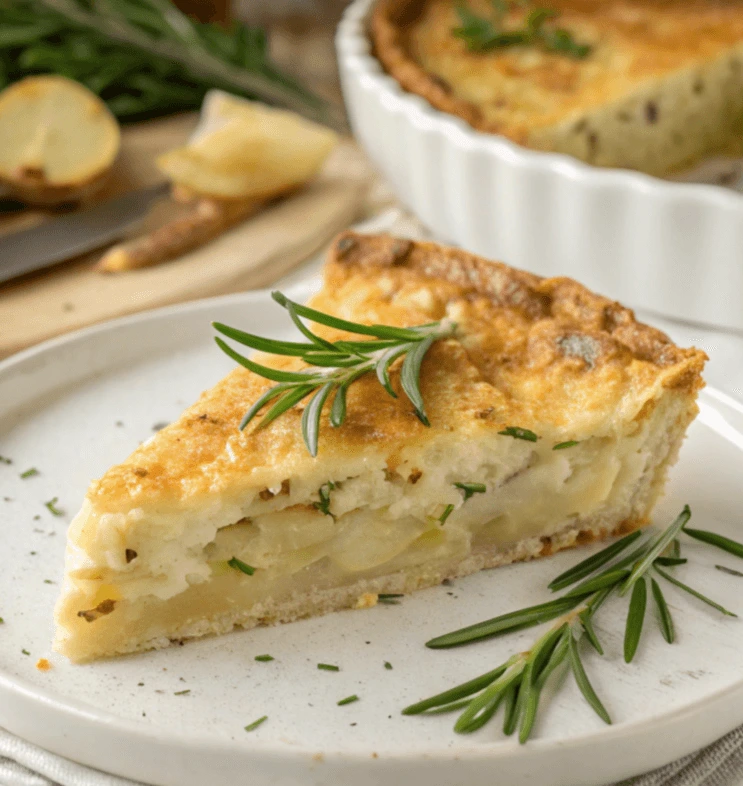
column 554, row 417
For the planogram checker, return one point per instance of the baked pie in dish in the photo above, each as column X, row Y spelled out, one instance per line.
column 651, row 85
column 554, row 417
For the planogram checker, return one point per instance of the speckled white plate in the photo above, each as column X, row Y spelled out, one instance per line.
column 76, row 405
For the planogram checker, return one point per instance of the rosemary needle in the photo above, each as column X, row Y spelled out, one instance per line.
column 656, row 549
column 664, row 615
column 635, row 619
column 729, row 571
column 348, row 700
column 593, row 563
column 696, row 594
column 713, row 539
column 506, row 623
column 328, row 667
column 583, row 682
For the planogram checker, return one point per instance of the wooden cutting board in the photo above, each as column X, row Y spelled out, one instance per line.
column 254, row 254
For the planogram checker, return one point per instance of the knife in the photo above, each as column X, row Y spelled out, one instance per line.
column 68, row 236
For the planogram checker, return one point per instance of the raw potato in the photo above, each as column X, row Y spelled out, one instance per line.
column 256, row 152
column 58, row 140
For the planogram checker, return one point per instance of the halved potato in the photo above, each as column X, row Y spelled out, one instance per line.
column 250, row 151
column 58, row 140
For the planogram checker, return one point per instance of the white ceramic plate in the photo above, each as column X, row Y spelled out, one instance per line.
column 663, row 246
column 76, row 405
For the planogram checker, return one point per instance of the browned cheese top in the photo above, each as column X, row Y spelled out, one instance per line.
column 512, row 90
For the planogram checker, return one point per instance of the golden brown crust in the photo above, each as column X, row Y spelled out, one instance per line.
column 543, row 354
column 560, row 300
column 521, row 92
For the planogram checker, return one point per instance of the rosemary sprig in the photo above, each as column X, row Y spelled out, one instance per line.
column 144, row 57
column 334, row 366
column 482, row 34
column 517, row 683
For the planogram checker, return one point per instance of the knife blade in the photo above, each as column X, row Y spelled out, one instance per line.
column 68, row 236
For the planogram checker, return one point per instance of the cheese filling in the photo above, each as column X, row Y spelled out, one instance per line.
column 383, row 521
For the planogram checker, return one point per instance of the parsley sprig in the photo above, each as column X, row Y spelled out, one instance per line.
column 518, row 683
column 482, row 34
column 334, row 366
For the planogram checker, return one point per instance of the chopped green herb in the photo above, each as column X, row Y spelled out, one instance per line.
column 51, row 506
column 481, row 34
column 255, row 724
column 571, row 443
column 390, row 597
column 2, row 621
column 729, row 571
column 470, row 489
column 388, row 665
column 324, row 492
column 264, row 658
column 5, row 460
column 25, row 652
column 48, row 581
column 328, row 667
column 447, row 512
column 348, row 700
column 238, row 564
column 182, row 692
column 519, row 433
column 29, row 473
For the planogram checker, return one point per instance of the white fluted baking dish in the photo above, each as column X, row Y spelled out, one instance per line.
column 674, row 248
